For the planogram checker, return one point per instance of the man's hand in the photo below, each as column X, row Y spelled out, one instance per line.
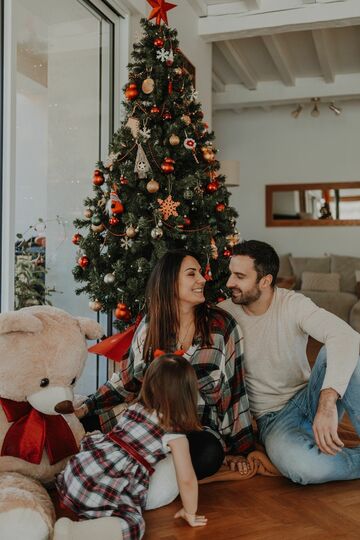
column 325, row 424
column 238, row 463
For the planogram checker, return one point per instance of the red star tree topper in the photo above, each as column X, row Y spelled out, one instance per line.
column 160, row 9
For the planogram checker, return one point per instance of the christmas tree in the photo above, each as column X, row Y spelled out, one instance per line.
column 159, row 188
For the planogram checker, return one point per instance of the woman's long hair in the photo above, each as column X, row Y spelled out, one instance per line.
column 162, row 306
column 170, row 388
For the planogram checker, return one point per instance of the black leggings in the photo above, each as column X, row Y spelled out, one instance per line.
column 207, row 454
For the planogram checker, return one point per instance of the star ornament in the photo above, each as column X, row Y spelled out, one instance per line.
column 160, row 9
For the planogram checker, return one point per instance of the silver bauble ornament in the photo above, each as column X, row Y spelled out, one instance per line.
column 95, row 305
column 109, row 279
column 156, row 233
column 188, row 194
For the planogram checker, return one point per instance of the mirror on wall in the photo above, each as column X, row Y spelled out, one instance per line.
column 316, row 204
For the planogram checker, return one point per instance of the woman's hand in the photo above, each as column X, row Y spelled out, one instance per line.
column 238, row 463
column 192, row 519
column 81, row 411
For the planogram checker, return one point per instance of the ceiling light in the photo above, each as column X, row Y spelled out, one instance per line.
column 315, row 110
column 295, row 113
column 335, row 109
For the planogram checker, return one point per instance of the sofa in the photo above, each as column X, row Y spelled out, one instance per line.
column 332, row 282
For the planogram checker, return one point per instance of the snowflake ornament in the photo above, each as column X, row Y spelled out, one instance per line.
column 110, row 160
column 168, row 207
column 162, row 55
column 145, row 133
column 194, row 96
column 126, row 243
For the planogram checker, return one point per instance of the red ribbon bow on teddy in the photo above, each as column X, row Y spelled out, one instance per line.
column 32, row 431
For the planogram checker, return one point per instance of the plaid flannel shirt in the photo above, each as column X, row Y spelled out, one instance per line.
column 223, row 405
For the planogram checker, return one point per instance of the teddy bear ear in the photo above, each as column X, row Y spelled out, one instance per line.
column 18, row 321
column 91, row 329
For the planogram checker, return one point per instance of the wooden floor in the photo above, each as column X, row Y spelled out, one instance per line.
column 266, row 508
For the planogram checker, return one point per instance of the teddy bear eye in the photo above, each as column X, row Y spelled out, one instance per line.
column 44, row 382
column 73, row 381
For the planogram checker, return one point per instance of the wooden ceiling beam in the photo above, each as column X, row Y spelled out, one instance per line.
column 268, row 93
column 323, row 53
column 280, row 58
column 274, row 20
column 240, row 66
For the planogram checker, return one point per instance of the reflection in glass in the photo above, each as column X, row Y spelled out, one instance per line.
column 63, row 97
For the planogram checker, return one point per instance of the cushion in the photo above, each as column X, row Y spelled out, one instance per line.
column 338, row 303
column 346, row 267
column 308, row 264
column 316, row 281
column 285, row 267
column 357, row 286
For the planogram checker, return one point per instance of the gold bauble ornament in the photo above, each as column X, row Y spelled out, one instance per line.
column 148, row 86
column 130, row 232
column 98, row 228
column 186, row 119
column 152, row 186
column 88, row 213
column 174, row 140
column 95, row 305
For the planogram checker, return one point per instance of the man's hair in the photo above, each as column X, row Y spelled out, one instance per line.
column 171, row 388
column 266, row 260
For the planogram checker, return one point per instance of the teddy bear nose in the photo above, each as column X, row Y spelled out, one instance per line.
column 64, row 407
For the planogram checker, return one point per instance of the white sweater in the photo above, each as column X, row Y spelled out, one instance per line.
column 276, row 365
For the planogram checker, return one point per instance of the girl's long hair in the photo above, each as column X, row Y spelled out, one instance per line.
column 170, row 388
column 162, row 306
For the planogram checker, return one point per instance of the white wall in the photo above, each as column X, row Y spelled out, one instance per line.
column 274, row 148
column 185, row 20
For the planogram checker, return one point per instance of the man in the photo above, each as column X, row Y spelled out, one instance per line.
column 297, row 410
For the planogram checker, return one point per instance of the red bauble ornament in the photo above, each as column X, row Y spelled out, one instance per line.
column 114, row 221
column 168, row 165
column 158, row 42
column 76, row 239
column 167, row 115
column 131, row 91
column 122, row 312
column 227, row 253
column 220, row 207
column 187, row 221
column 155, row 109
column 98, row 178
column 123, row 180
column 212, row 186
column 220, row 299
column 83, row 261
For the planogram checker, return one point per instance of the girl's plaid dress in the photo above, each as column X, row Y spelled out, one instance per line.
column 104, row 480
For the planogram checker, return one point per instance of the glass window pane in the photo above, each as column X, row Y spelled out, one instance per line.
column 63, row 122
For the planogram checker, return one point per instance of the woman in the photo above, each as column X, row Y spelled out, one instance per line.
column 178, row 319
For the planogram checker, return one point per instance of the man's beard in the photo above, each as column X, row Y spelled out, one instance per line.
column 248, row 297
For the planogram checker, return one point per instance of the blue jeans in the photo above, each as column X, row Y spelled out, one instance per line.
column 288, row 437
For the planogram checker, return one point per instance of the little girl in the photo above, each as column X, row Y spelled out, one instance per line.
column 106, row 483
